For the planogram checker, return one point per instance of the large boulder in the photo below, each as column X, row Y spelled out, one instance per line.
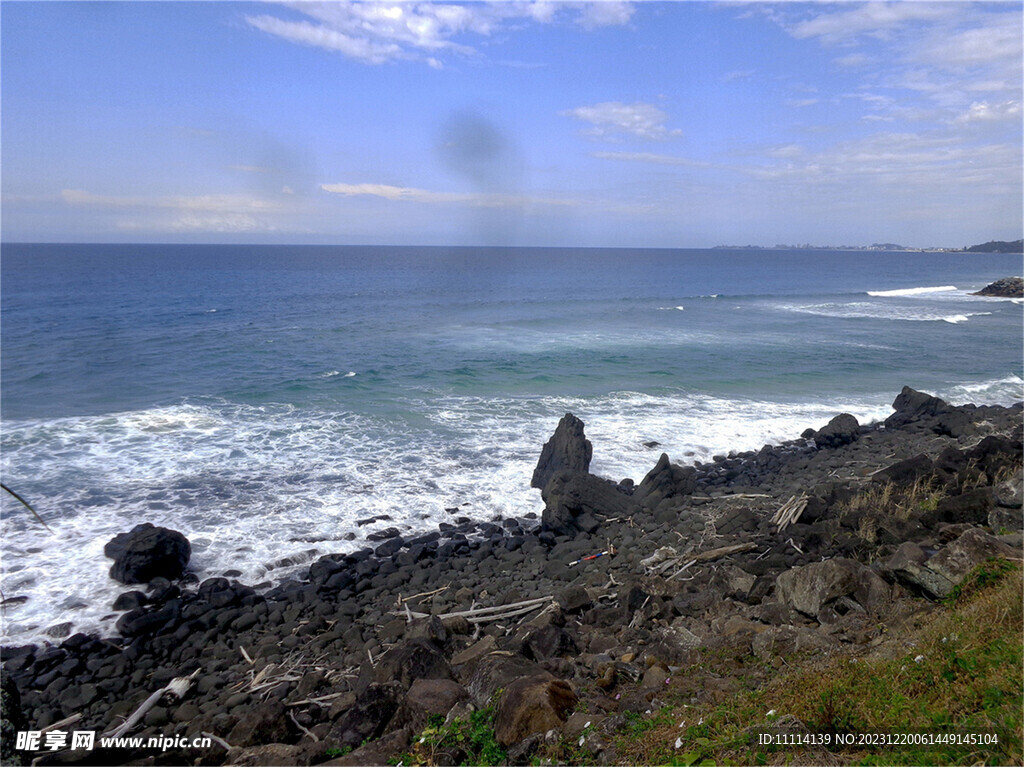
column 911, row 405
column 530, row 705
column 906, row 472
column 841, row 430
column 427, row 697
column 811, row 588
column 412, row 659
column 368, row 717
column 1005, row 287
column 940, row 574
column 148, row 552
column 575, row 502
column 262, row 724
column 567, row 450
column 665, row 480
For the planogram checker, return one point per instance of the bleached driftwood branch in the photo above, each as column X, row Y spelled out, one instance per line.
column 723, row 551
column 790, row 512
column 176, row 687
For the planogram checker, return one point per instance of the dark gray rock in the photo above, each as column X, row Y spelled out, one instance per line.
column 426, row 697
column 567, row 450
column 549, row 642
column 911, row 405
column 810, row 588
column 940, row 574
column 1010, row 494
column 575, row 502
column 907, row 471
column 1005, row 287
column 532, row 705
column 665, row 480
column 841, row 430
column 971, row 507
column 148, row 552
column 413, row 659
column 369, row 715
column 261, row 724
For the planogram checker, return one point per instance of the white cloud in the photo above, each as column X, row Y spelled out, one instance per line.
column 200, row 213
column 903, row 160
column 303, row 32
column 650, row 157
column 604, row 13
column 412, row 194
column 983, row 111
column 613, row 119
column 206, row 202
column 738, row 74
column 377, row 32
column 875, row 19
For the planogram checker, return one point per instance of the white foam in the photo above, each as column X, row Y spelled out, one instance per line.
column 881, row 311
column 912, row 291
column 1001, row 391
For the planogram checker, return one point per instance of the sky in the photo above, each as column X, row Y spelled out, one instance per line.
column 645, row 124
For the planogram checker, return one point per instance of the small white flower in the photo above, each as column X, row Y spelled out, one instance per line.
column 586, row 725
column 771, row 713
column 679, row 742
column 580, row 743
column 682, row 723
column 918, row 659
column 700, row 721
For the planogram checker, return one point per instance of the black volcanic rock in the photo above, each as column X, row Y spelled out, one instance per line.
column 841, row 430
column 1007, row 287
column 567, row 450
column 148, row 552
column 665, row 480
column 575, row 502
column 911, row 405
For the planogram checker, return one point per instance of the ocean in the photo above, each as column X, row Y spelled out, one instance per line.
column 266, row 400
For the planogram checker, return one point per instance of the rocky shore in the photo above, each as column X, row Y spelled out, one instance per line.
column 768, row 553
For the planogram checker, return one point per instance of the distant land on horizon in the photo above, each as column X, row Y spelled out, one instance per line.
column 993, row 246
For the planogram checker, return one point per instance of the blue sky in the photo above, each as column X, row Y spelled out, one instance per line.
column 662, row 124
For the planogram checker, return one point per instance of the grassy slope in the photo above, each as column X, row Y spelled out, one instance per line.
column 959, row 672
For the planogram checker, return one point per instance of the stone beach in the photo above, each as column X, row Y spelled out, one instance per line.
column 691, row 559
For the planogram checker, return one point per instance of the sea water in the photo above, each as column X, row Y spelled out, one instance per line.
column 266, row 400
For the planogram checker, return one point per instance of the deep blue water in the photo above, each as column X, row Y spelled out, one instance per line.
column 263, row 399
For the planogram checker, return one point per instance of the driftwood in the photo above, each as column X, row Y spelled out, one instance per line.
column 402, row 600
column 219, row 741
column 62, row 723
column 723, row 551
column 790, row 512
column 682, row 570
column 305, row 731
column 176, row 687
column 487, row 614
column 318, row 699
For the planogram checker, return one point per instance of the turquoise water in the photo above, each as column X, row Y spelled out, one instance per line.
column 264, row 399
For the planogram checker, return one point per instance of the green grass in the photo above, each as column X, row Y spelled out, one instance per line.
column 473, row 738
